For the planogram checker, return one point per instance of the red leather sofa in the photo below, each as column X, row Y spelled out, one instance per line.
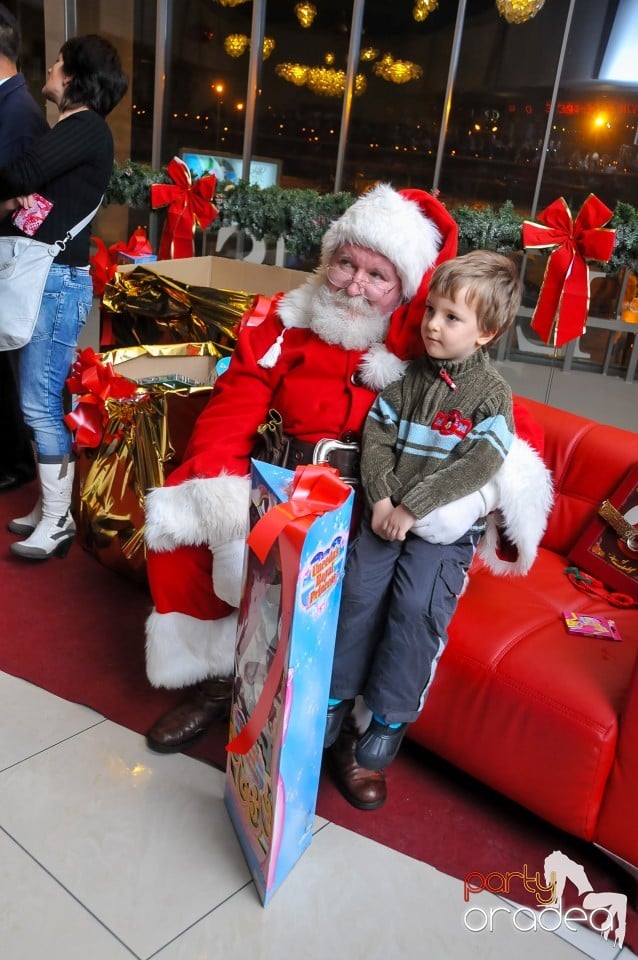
column 548, row 718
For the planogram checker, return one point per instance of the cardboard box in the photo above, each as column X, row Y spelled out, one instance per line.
column 160, row 363
column 225, row 274
column 283, row 662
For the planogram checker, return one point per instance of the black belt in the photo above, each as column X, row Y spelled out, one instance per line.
column 343, row 455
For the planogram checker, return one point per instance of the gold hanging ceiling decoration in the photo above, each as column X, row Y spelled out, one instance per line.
column 292, row 72
column 518, row 11
column 368, row 54
column 328, row 82
column 397, row 71
column 329, row 59
column 423, row 8
column 231, row 3
column 268, row 47
column 235, row 44
column 305, row 13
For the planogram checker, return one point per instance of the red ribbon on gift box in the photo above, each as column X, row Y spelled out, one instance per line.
column 563, row 302
column 315, row 490
column 189, row 205
column 94, row 382
column 104, row 262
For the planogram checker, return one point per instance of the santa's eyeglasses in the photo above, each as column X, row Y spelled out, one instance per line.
column 372, row 288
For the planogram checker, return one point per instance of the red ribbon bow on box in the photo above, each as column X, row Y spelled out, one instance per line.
column 94, row 382
column 315, row 490
column 563, row 302
column 104, row 262
column 189, row 205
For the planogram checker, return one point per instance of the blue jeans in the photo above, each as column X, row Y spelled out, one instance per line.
column 46, row 360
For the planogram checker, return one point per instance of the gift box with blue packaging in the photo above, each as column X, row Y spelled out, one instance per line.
column 293, row 571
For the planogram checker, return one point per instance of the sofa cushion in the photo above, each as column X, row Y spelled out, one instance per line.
column 587, row 459
column 524, row 706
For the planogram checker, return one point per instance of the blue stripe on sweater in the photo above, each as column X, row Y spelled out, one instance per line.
column 420, row 440
column 383, row 412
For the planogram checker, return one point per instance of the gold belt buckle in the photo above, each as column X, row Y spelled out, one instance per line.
column 326, row 446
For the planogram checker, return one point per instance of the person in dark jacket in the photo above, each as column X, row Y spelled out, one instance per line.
column 21, row 122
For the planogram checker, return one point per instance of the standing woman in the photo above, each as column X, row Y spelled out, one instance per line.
column 71, row 166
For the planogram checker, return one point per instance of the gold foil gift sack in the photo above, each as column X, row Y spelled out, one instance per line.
column 135, row 412
column 142, row 307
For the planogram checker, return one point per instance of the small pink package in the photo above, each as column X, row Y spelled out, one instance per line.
column 29, row 220
column 590, row 626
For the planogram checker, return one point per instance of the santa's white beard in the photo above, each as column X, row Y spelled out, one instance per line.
column 349, row 322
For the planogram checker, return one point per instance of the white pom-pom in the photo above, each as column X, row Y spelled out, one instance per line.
column 273, row 353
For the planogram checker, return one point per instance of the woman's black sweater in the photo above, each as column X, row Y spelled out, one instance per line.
column 71, row 166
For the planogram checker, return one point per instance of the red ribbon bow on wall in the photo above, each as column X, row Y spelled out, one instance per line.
column 315, row 490
column 94, row 382
column 189, row 205
column 563, row 302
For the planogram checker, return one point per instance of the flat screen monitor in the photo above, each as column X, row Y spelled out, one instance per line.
column 228, row 166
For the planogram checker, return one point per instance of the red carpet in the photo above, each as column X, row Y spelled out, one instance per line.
column 75, row 628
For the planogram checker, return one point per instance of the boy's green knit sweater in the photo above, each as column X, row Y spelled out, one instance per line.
column 439, row 433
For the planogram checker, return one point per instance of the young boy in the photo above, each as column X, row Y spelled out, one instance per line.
column 438, row 434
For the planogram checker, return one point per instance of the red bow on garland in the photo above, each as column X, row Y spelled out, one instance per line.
column 94, row 382
column 104, row 263
column 563, row 302
column 189, row 205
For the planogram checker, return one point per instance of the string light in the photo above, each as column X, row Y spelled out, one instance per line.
column 518, row 11
column 235, row 44
column 292, row 72
column 397, row 71
column 331, row 83
column 423, row 8
column 305, row 13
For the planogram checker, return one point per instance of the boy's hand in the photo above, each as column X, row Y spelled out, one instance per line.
column 397, row 523
column 380, row 511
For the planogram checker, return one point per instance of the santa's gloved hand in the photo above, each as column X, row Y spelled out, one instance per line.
column 228, row 567
column 447, row 523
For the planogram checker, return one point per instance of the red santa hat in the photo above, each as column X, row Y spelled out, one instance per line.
column 416, row 233
column 394, row 223
column 404, row 333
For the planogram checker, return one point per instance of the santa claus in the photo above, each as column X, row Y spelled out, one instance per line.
column 318, row 358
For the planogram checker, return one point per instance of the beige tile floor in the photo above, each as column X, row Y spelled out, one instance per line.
column 109, row 852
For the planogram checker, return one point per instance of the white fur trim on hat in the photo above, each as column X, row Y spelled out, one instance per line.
column 182, row 650
column 203, row 511
column 385, row 221
column 379, row 367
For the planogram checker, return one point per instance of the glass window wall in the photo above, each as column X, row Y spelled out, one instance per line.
column 536, row 112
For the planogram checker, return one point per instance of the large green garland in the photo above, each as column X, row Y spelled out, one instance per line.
column 301, row 217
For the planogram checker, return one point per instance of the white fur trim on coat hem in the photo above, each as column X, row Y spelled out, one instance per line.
column 205, row 511
column 525, row 498
column 182, row 650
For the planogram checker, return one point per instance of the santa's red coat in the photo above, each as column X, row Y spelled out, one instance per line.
column 318, row 390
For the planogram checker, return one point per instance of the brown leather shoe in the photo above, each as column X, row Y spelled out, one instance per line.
column 187, row 723
column 364, row 789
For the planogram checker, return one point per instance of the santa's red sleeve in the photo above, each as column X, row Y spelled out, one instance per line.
column 205, row 499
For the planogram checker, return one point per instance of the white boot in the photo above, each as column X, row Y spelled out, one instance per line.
column 54, row 533
column 23, row 526
column 27, row 524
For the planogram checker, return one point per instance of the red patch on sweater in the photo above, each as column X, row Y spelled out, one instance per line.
column 452, row 423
